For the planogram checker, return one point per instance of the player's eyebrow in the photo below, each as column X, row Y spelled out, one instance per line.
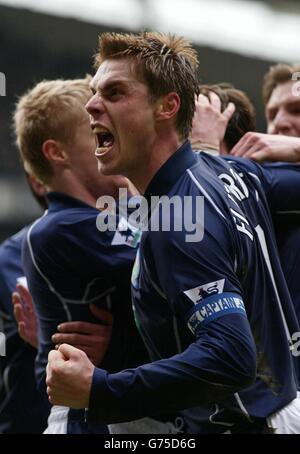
column 289, row 103
column 112, row 84
column 109, row 84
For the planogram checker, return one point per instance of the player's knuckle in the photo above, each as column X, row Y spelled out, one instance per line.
column 55, row 371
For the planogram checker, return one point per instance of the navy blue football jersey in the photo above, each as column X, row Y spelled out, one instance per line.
column 288, row 238
column 70, row 264
column 22, row 409
column 214, row 312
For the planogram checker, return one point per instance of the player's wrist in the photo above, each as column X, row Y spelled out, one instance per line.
column 206, row 146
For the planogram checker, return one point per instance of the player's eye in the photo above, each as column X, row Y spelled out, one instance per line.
column 271, row 114
column 114, row 92
column 295, row 110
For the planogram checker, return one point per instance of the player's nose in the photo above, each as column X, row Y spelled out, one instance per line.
column 94, row 106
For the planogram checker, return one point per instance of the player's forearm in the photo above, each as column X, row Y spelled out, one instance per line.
column 203, row 373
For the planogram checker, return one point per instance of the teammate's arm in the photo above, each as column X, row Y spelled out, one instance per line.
column 268, row 147
column 92, row 338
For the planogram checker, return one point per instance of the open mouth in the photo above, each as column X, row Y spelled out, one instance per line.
column 104, row 141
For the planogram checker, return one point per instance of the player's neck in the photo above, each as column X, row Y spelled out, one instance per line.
column 73, row 189
column 160, row 152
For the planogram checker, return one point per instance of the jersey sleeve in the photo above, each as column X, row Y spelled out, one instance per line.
column 282, row 187
column 75, row 245
column 280, row 181
column 205, row 294
column 69, row 265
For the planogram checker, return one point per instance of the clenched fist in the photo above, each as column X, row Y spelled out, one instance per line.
column 69, row 377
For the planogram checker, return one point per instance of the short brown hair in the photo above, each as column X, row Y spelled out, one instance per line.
column 277, row 74
column 243, row 118
column 51, row 110
column 165, row 62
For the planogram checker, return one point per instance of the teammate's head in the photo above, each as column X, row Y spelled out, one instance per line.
column 164, row 62
column 55, row 139
column 51, row 110
column 281, row 96
column 243, row 118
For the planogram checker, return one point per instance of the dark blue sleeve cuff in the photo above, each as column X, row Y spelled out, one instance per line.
column 96, row 410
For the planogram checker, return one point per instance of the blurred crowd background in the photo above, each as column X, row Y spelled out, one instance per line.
column 237, row 42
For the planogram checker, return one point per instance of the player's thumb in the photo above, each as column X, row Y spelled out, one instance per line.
column 70, row 352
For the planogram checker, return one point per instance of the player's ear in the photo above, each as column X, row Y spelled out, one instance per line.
column 167, row 106
column 54, row 151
